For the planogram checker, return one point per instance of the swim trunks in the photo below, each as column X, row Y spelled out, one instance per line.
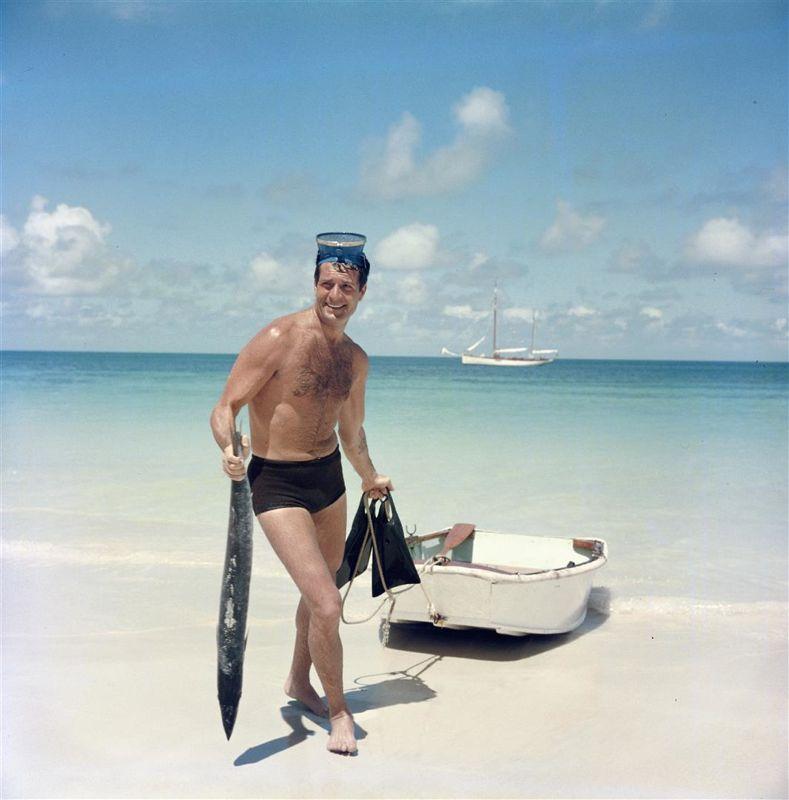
column 313, row 484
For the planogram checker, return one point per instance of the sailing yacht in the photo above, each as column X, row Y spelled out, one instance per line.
column 505, row 356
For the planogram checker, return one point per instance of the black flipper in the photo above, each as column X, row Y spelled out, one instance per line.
column 353, row 549
column 396, row 560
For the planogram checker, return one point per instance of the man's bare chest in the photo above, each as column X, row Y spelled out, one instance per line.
column 321, row 373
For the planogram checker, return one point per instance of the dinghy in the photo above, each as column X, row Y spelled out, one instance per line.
column 513, row 584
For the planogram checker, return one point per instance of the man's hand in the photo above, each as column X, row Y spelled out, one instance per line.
column 234, row 465
column 377, row 487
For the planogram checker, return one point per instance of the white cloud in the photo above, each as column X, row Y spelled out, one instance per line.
column 273, row 275
column 731, row 330
column 779, row 326
column 727, row 242
column 265, row 267
column 483, row 111
column 754, row 262
column 570, row 230
column 463, row 312
column 412, row 290
column 9, row 238
column 62, row 252
column 776, row 185
column 652, row 313
column 393, row 170
column 38, row 311
column 628, row 258
column 63, row 313
column 581, row 311
column 413, row 246
column 478, row 260
column 398, row 164
column 520, row 313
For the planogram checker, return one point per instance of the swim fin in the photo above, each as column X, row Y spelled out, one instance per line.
column 357, row 551
column 397, row 563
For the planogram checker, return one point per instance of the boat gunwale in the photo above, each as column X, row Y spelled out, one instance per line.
column 598, row 559
column 483, row 572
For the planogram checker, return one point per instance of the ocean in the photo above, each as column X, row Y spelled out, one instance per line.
column 681, row 467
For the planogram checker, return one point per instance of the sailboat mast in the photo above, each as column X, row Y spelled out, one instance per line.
column 533, row 327
column 495, row 304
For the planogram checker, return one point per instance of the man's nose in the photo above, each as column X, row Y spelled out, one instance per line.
column 335, row 293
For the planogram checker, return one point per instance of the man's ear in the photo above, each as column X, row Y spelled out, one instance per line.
column 362, row 291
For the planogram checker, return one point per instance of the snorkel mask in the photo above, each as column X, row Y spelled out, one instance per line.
column 343, row 248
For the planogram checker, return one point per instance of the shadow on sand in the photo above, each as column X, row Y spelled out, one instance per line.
column 407, row 686
column 402, row 686
column 487, row 645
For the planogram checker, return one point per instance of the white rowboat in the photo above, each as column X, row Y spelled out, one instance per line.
column 513, row 584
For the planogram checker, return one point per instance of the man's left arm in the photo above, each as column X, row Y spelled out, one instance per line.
column 353, row 439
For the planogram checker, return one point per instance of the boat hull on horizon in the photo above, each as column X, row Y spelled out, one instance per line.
column 491, row 361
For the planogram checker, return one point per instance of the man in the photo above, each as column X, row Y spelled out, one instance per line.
column 301, row 376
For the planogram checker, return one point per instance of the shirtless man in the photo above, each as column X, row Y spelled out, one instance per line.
column 301, row 376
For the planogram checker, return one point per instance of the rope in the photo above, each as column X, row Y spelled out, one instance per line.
column 391, row 596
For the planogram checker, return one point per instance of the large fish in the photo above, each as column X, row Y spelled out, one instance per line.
column 231, row 632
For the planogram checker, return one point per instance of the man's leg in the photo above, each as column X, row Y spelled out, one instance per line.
column 298, row 684
column 294, row 537
column 330, row 529
column 330, row 524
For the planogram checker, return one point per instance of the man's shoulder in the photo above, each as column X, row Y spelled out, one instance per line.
column 274, row 339
column 281, row 327
column 360, row 358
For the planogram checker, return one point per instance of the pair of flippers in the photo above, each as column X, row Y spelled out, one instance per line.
column 396, row 562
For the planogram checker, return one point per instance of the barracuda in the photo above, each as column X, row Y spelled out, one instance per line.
column 231, row 632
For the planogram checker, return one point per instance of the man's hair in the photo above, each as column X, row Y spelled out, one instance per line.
column 363, row 270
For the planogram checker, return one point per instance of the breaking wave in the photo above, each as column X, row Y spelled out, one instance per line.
column 605, row 601
column 99, row 555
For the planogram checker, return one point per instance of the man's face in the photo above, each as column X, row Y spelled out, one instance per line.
column 337, row 292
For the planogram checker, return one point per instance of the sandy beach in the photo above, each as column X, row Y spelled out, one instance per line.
column 675, row 685
column 113, row 695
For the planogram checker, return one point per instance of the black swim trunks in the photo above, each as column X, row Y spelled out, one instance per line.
column 313, row 484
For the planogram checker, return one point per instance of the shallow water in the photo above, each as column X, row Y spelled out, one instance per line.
column 681, row 466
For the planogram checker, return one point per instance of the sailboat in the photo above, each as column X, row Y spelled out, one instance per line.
column 505, row 356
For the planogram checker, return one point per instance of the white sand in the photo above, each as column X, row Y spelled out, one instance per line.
column 109, row 691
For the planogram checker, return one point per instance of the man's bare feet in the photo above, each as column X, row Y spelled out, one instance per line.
column 342, row 739
column 305, row 694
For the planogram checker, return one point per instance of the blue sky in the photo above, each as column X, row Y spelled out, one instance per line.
column 619, row 166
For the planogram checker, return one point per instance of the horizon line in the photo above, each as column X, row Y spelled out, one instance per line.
column 374, row 355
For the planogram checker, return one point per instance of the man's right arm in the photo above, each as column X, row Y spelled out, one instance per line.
column 254, row 367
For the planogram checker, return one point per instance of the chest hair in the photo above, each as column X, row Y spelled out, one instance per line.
column 325, row 372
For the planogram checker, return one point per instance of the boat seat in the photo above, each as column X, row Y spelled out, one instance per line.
column 486, row 567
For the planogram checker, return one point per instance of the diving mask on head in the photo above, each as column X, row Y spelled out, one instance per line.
column 342, row 248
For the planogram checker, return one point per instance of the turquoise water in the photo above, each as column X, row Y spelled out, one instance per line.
column 681, row 466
